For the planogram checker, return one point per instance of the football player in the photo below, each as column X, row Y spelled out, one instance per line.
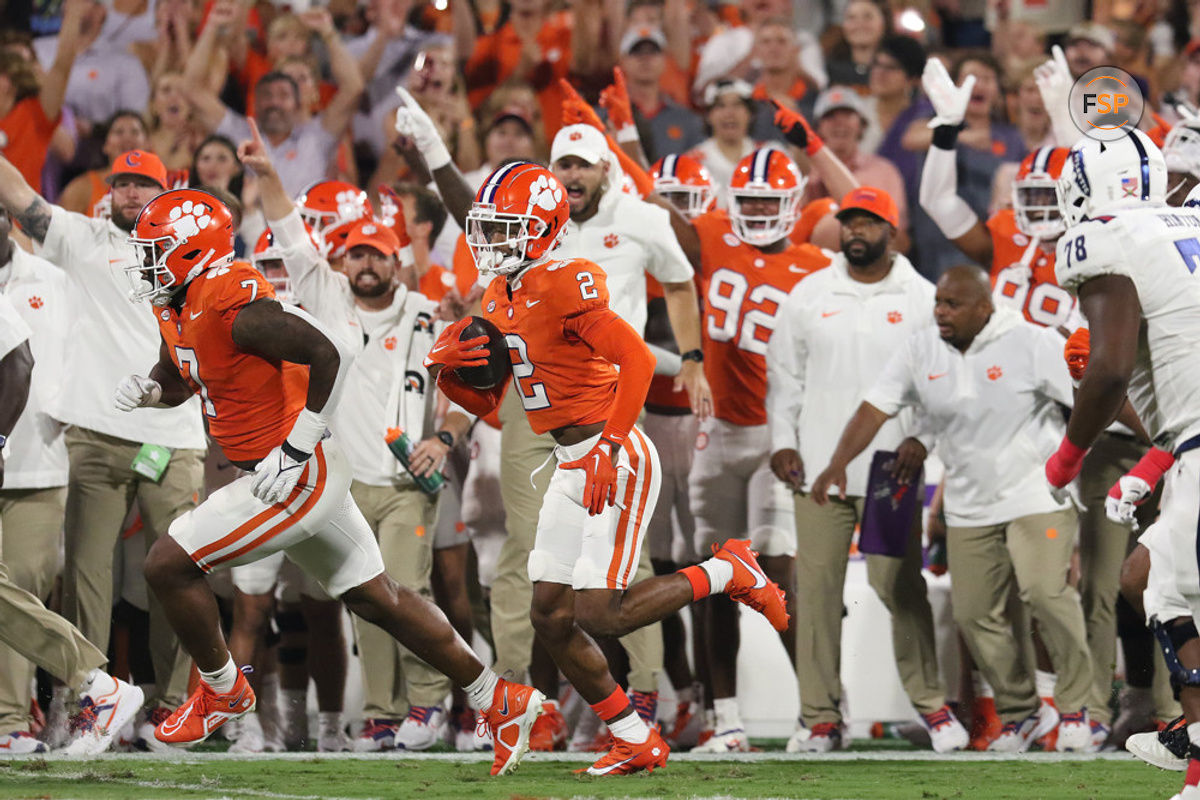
column 269, row 377
column 567, row 348
column 1131, row 259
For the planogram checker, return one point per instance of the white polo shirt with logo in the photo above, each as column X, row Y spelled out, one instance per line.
column 302, row 158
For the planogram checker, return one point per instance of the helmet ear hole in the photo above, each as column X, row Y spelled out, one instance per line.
column 190, row 255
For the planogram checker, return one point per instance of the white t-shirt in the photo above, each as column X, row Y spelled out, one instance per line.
column 1158, row 248
column 109, row 336
column 992, row 409
column 833, row 336
column 36, row 457
column 628, row 238
column 302, row 158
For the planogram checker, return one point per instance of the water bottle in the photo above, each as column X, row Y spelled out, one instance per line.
column 402, row 447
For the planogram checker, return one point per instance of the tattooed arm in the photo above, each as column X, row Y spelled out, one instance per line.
column 24, row 205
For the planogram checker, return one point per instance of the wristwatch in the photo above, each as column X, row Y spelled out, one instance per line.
column 696, row 355
column 3, row 441
column 447, row 438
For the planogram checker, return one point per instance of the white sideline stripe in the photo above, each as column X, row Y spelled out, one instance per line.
column 184, row 757
column 229, row 792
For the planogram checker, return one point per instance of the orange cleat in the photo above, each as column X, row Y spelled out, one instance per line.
column 750, row 585
column 550, row 731
column 985, row 724
column 515, row 707
column 626, row 757
column 205, row 711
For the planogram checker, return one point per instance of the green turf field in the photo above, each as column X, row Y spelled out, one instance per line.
column 877, row 777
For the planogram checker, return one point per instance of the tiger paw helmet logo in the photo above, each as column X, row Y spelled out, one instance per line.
column 188, row 219
column 545, row 193
column 349, row 204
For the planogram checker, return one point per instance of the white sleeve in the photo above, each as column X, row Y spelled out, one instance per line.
column 787, row 356
column 1088, row 251
column 1053, row 377
column 310, row 274
column 13, row 329
column 62, row 238
column 938, row 194
column 894, row 388
column 234, row 126
column 665, row 258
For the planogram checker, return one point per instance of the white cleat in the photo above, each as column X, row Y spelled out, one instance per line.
column 1150, row 749
column 824, row 737
column 21, row 743
column 1074, row 733
column 730, row 741
column 1016, row 737
column 946, row 733
column 250, row 735
column 376, row 735
column 422, row 728
column 104, row 708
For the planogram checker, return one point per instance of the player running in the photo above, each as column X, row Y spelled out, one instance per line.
column 269, row 377
column 1131, row 259
column 566, row 346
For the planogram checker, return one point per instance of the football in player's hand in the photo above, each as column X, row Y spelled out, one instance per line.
column 498, row 365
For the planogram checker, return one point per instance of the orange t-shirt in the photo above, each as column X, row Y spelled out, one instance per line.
column 249, row 402
column 742, row 290
column 1034, row 292
column 496, row 56
column 810, row 215
column 25, row 134
column 100, row 201
column 562, row 381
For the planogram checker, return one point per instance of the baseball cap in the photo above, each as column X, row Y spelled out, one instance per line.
column 719, row 87
column 513, row 112
column 873, row 201
column 635, row 36
column 836, row 97
column 1093, row 32
column 579, row 140
column 374, row 234
column 139, row 162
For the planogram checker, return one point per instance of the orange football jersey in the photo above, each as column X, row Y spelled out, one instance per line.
column 742, row 288
column 561, row 380
column 1034, row 292
column 249, row 402
column 810, row 215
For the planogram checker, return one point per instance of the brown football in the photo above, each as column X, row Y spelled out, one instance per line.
column 498, row 365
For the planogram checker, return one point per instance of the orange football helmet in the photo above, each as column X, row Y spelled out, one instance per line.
column 766, row 174
column 1035, row 193
column 331, row 208
column 267, row 258
column 178, row 235
column 685, row 183
column 519, row 215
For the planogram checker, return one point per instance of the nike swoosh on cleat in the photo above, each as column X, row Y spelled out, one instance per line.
column 760, row 580
column 170, row 729
column 610, row 767
column 504, row 708
column 235, row 702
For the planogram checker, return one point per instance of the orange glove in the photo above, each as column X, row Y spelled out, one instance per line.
column 1076, row 352
column 600, row 468
column 797, row 130
column 391, row 213
column 576, row 110
column 615, row 101
column 450, row 353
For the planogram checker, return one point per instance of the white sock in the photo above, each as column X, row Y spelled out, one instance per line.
column 549, row 705
column 982, row 687
column 294, row 716
column 329, row 722
column 686, row 695
column 719, row 572
column 630, row 728
column 1045, row 681
column 223, row 679
column 482, row 690
column 728, row 717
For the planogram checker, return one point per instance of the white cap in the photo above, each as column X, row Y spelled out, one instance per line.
column 836, row 97
column 579, row 140
column 635, row 36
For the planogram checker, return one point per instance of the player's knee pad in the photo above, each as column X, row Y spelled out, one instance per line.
column 1171, row 638
column 540, row 565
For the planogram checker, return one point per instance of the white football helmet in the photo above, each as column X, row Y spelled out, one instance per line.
column 1181, row 148
column 1193, row 198
column 1102, row 176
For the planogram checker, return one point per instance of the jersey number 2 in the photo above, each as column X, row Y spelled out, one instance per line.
column 535, row 398
column 187, row 360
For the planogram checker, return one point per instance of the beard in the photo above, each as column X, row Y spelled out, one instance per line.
column 121, row 221
column 370, row 288
column 861, row 253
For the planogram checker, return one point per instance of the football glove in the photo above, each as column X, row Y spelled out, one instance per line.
column 1054, row 81
column 615, row 102
column 796, row 130
column 414, row 123
column 276, row 475
column 449, row 352
column 134, row 391
column 949, row 101
column 1076, row 352
column 600, row 485
column 576, row 110
column 1136, row 486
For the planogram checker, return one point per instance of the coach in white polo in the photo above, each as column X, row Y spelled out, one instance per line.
column 991, row 388
column 833, row 336
column 108, row 338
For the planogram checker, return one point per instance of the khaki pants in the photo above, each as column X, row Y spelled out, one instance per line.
column 30, row 524
column 1103, row 545
column 101, row 489
column 822, row 549
column 403, row 521
column 523, row 452
column 1036, row 551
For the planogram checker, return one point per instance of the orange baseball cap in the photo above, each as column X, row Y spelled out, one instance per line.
column 373, row 234
column 873, row 201
column 139, row 162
